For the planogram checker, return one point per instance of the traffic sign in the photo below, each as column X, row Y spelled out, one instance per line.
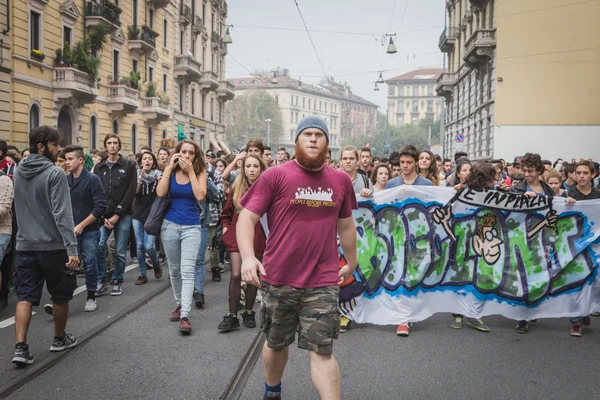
column 460, row 138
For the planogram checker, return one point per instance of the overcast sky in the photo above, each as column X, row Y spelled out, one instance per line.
column 260, row 41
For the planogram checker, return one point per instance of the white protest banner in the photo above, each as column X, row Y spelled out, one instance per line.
column 427, row 250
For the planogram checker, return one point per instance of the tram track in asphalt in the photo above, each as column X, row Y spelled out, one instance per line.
column 236, row 385
column 33, row 371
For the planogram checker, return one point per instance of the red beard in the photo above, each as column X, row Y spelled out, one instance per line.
column 309, row 162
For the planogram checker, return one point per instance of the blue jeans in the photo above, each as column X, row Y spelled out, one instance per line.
column 200, row 271
column 144, row 244
column 181, row 244
column 121, row 240
column 87, row 246
column 4, row 241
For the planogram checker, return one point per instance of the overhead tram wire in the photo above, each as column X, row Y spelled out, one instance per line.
column 277, row 28
column 310, row 38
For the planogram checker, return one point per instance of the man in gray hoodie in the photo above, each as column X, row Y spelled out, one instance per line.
column 46, row 241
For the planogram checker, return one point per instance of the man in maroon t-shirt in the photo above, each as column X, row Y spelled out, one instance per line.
column 306, row 204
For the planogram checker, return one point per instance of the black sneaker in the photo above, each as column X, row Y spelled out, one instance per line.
column 102, row 288
column 4, row 303
column 230, row 322
column 22, row 356
column 249, row 318
column 522, row 327
column 199, row 299
column 63, row 343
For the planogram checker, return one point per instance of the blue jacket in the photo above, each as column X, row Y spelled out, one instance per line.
column 87, row 197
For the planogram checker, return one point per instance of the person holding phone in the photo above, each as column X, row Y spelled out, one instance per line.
column 184, row 181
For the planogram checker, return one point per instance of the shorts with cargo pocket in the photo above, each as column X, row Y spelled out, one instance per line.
column 311, row 312
column 33, row 268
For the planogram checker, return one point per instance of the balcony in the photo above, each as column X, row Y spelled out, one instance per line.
column 448, row 39
column 216, row 40
column 187, row 67
column 158, row 4
column 446, row 83
column 197, row 25
column 70, row 82
column 185, row 15
column 216, row 3
column 142, row 41
column 209, row 81
column 154, row 109
column 225, row 90
column 224, row 8
column 479, row 48
column 477, row 5
column 106, row 12
column 122, row 98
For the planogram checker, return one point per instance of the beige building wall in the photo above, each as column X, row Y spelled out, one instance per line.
column 5, row 70
column 108, row 103
column 548, row 56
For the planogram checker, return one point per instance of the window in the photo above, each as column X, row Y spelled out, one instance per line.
column 150, row 74
column 180, row 97
column 304, row 102
column 135, row 12
column 212, row 109
column 67, row 32
column 116, row 71
column 400, row 106
column 134, row 65
column 212, row 22
column 164, row 134
column 429, row 106
column 151, row 17
column 193, row 103
column 277, row 99
column 415, row 106
column 203, row 12
column 93, row 132
column 35, row 31
column 150, row 134
column 165, row 83
column 133, row 138
column 430, row 90
column 115, row 127
column 34, row 117
column 309, row 104
column 165, row 30
column 193, row 46
column 325, row 107
column 415, row 91
column 181, row 40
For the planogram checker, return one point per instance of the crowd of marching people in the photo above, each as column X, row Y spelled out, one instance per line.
column 181, row 208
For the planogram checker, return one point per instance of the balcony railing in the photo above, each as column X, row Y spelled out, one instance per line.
column 159, row 3
column 185, row 14
column 224, row 9
column 197, row 26
column 225, row 90
column 187, row 66
column 480, row 46
column 209, row 80
column 71, row 82
column 144, row 38
column 446, row 83
column 216, row 39
column 104, row 10
column 155, row 109
column 122, row 98
column 448, row 39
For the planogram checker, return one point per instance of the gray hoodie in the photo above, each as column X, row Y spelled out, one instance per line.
column 43, row 207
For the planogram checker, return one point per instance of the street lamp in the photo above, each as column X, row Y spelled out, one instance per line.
column 268, row 121
column 375, row 89
column 227, row 37
column 380, row 79
column 391, row 47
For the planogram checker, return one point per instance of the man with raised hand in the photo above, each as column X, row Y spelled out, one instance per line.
column 297, row 197
column 46, row 241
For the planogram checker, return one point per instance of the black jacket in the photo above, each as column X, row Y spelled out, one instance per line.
column 521, row 188
column 87, row 197
column 119, row 183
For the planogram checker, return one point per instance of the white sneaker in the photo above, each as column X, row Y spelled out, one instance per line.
column 90, row 305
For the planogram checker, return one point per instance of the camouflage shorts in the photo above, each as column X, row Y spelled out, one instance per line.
column 310, row 312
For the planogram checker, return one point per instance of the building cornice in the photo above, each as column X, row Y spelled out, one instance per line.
column 31, row 81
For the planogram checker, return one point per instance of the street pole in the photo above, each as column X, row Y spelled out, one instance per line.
column 268, row 121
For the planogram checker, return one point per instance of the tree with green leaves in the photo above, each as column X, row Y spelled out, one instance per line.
column 399, row 136
column 248, row 113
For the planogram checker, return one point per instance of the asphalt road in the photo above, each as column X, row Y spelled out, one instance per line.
column 438, row 362
column 143, row 356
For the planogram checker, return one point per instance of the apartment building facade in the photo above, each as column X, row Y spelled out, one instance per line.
column 136, row 85
column 521, row 77
column 346, row 114
column 412, row 97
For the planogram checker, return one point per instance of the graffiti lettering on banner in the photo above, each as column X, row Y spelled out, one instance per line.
column 427, row 250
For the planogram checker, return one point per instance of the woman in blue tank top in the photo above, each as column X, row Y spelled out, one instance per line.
column 184, row 181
